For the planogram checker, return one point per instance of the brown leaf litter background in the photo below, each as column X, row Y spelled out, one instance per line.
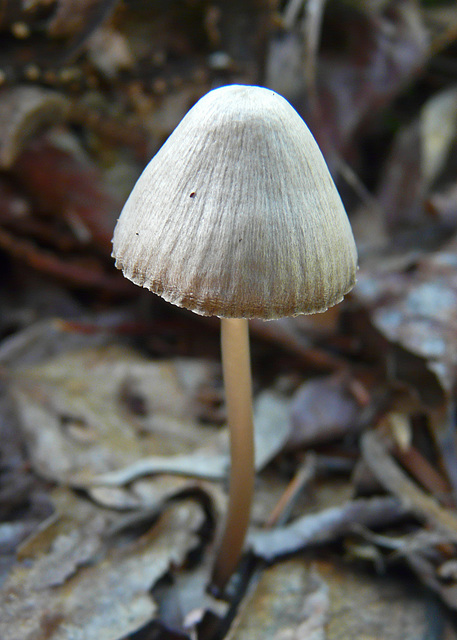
column 113, row 449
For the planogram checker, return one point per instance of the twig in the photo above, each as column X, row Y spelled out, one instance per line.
column 283, row 509
column 425, row 473
column 389, row 474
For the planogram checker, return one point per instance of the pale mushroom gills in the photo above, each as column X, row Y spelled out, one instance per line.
column 237, row 216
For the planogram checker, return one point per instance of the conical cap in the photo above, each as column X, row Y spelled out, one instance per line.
column 237, row 214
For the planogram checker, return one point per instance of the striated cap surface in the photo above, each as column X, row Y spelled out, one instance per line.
column 237, row 215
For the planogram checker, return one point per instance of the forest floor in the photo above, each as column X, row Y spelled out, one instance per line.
column 113, row 445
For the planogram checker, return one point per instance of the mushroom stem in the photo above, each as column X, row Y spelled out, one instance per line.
column 238, row 392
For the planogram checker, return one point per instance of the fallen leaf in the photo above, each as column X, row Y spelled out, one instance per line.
column 319, row 600
column 75, row 17
column 210, row 462
column 322, row 409
column 291, row 602
column 415, row 308
column 77, row 583
column 375, row 50
column 72, row 412
column 438, row 120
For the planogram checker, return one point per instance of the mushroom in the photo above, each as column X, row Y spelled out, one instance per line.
column 237, row 216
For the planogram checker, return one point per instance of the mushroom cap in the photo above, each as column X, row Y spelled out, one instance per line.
column 237, row 214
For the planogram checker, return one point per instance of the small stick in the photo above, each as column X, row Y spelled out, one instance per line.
column 395, row 480
column 425, row 474
column 281, row 513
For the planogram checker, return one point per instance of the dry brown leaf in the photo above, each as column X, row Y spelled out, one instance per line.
column 210, row 461
column 109, row 52
column 441, row 21
column 104, row 417
column 383, row 47
column 421, row 318
column 438, row 119
column 78, row 583
column 420, row 152
column 75, row 411
column 291, row 602
column 416, row 310
column 296, row 600
column 75, row 16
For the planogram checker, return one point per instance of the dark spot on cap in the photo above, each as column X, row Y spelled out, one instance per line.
column 192, row 195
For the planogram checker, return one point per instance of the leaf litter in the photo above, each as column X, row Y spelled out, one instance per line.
column 77, row 582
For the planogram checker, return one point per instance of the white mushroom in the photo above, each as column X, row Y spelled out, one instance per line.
column 237, row 216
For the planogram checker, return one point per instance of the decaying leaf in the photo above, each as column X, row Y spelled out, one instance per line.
column 291, row 602
column 384, row 45
column 417, row 310
column 73, row 16
column 418, row 157
column 438, row 128
column 74, row 413
column 78, row 424
column 300, row 600
column 110, row 52
column 77, row 582
column 210, row 461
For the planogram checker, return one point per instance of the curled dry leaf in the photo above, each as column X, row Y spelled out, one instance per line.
column 326, row 526
column 290, row 602
column 75, row 16
column 292, row 56
column 426, row 570
column 24, row 111
column 65, row 228
column 443, row 203
column 401, row 192
column 75, row 273
column 109, row 51
column 145, row 493
column 419, row 154
column 65, row 183
column 438, row 120
column 45, row 339
column 441, row 21
column 80, row 429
